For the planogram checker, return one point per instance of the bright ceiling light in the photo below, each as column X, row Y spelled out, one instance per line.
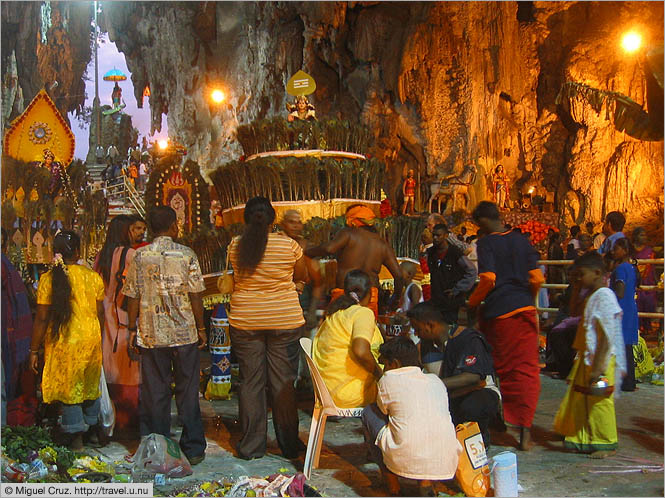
column 163, row 144
column 631, row 41
column 218, row 96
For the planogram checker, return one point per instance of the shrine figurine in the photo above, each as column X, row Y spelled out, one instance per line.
column 216, row 218
column 57, row 173
column 116, row 95
column 34, row 194
column 501, row 183
column 409, row 193
column 301, row 110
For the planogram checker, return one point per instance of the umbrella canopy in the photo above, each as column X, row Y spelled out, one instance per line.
column 115, row 75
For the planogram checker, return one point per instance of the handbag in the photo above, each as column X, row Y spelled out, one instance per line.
column 225, row 283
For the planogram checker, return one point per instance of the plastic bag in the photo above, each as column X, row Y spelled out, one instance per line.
column 473, row 473
column 644, row 366
column 158, row 454
column 106, row 410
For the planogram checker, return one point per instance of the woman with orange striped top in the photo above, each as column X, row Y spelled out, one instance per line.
column 266, row 322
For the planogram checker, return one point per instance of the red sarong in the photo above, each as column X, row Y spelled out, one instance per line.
column 373, row 300
column 514, row 342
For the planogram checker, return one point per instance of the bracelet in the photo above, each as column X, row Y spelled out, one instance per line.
column 201, row 328
column 34, row 352
column 132, row 329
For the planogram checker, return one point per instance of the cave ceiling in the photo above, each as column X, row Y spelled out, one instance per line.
column 441, row 84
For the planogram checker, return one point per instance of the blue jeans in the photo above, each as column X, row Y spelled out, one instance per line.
column 79, row 417
column 373, row 421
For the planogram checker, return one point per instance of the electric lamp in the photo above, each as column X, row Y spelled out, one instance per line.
column 631, row 41
column 218, row 96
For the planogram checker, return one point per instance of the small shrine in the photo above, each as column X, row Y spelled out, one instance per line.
column 319, row 168
column 43, row 190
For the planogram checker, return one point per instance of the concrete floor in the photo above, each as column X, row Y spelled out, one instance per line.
column 544, row 471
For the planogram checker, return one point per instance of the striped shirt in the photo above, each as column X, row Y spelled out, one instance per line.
column 267, row 299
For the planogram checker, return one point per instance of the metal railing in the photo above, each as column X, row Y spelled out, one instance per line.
column 568, row 262
column 123, row 189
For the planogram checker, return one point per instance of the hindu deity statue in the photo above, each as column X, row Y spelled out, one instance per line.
column 409, row 192
column 301, row 110
column 116, row 95
column 179, row 205
column 501, row 184
column 58, row 173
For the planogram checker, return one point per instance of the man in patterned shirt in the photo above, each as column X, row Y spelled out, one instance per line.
column 164, row 285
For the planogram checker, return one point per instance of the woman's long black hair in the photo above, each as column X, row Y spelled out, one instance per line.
column 357, row 282
column 117, row 235
column 67, row 243
column 259, row 215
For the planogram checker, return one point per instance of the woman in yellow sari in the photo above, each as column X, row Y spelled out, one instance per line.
column 346, row 346
column 70, row 314
column 586, row 416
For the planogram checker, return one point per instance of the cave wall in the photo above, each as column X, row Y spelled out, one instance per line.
column 441, row 84
column 44, row 42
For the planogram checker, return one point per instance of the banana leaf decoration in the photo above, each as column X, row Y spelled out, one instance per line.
column 277, row 134
column 294, row 179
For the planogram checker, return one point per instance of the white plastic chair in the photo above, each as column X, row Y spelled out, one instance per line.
column 324, row 407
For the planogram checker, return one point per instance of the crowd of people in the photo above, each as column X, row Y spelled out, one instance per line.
column 469, row 354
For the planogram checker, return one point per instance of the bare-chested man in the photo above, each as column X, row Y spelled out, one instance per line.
column 292, row 226
column 357, row 247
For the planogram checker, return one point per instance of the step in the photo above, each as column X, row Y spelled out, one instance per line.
column 95, row 170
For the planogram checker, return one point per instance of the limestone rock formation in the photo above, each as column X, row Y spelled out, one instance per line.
column 120, row 133
column 442, row 85
column 50, row 41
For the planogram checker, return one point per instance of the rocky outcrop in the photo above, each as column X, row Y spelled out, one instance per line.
column 441, row 84
column 115, row 129
column 50, row 41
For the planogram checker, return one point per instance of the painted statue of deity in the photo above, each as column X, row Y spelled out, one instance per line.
column 409, row 192
column 58, row 173
column 301, row 110
column 179, row 205
column 116, row 95
column 501, row 184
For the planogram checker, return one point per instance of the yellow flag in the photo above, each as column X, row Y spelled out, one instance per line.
column 301, row 83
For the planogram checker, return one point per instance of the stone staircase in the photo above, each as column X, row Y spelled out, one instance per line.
column 95, row 171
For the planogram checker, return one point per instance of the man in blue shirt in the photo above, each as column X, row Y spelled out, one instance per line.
column 614, row 222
